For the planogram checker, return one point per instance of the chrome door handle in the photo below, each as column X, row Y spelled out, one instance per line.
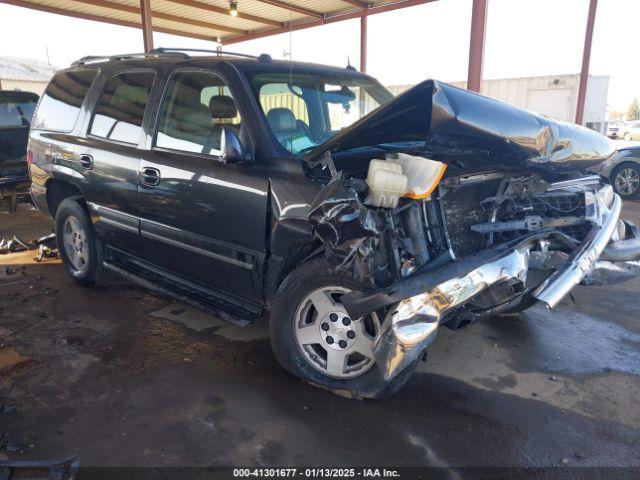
column 86, row 162
column 150, row 176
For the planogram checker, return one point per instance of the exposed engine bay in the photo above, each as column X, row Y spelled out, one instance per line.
column 464, row 215
column 516, row 219
column 477, row 245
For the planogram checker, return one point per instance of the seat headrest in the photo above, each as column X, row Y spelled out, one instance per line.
column 282, row 120
column 222, row 106
column 193, row 120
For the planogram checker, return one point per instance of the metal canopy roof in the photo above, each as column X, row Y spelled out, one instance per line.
column 210, row 19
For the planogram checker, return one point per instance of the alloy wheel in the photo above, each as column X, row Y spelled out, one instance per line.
column 627, row 181
column 332, row 342
column 74, row 239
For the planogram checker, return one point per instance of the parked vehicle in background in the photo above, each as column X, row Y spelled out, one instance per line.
column 16, row 112
column 625, row 130
column 361, row 221
column 613, row 128
column 623, row 170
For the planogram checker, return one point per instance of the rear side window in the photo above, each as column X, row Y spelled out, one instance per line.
column 120, row 109
column 60, row 104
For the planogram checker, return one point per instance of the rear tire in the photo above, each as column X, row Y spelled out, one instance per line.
column 80, row 249
column 627, row 136
column 305, row 318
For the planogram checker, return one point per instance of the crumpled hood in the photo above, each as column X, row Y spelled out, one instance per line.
column 457, row 125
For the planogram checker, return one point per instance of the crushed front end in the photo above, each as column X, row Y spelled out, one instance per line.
column 516, row 220
column 482, row 245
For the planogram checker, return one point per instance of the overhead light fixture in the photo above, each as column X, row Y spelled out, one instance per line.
column 233, row 8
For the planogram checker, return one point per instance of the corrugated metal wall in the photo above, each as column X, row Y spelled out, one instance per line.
column 554, row 95
column 24, row 85
column 286, row 100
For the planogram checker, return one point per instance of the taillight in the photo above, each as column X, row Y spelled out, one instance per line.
column 29, row 157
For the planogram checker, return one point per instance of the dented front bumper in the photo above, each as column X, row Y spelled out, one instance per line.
column 414, row 324
column 425, row 300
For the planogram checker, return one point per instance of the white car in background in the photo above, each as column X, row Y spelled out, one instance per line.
column 626, row 130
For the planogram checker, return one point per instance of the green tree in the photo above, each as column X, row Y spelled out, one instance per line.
column 634, row 110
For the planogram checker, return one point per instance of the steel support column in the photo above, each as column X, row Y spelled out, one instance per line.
column 476, row 44
column 586, row 58
column 363, row 44
column 147, row 27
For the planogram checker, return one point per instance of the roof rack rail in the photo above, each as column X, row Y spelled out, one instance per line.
column 122, row 56
column 157, row 52
column 162, row 50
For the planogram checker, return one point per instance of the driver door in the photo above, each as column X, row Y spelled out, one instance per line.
column 204, row 219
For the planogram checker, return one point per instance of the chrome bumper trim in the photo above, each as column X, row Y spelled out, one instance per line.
column 583, row 260
column 414, row 323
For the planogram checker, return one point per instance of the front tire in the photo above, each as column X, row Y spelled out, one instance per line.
column 313, row 337
column 80, row 249
column 625, row 179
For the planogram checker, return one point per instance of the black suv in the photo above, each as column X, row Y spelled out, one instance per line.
column 16, row 112
column 238, row 185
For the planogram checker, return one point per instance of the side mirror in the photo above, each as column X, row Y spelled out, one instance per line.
column 232, row 149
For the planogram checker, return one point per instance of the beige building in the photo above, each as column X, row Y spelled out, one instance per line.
column 25, row 74
column 555, row 96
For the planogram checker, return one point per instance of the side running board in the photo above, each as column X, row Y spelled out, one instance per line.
column 215, row 303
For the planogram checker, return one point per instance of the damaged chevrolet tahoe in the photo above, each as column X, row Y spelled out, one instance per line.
column 362, row 222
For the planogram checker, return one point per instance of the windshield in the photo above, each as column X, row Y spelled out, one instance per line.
column 305, row 110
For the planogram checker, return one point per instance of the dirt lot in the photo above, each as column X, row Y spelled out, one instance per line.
column 120, row 376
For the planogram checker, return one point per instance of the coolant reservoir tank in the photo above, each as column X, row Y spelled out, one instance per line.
column 386, row 183
column 423, row 175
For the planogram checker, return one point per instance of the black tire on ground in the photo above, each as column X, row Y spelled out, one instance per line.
column 627, row 136
column 91, row 271
column 633, row 166
column 303, row 280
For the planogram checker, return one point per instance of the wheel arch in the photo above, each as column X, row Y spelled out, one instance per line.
column 292, row 257
column 627, row 161
column 60, row 190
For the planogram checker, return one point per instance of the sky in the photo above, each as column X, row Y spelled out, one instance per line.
column 524, row 38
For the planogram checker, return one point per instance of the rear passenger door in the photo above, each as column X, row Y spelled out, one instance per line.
column 203, row 219
column 112, row 154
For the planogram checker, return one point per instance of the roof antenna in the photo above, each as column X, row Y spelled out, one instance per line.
column 349, row 66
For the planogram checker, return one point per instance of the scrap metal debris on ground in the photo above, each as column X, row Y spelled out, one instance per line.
column 46, row 246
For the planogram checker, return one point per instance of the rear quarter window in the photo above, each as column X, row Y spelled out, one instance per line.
column 60, row 104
